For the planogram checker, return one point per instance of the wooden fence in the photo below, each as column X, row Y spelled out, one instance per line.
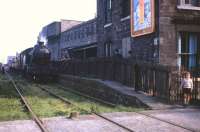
column 154, row 79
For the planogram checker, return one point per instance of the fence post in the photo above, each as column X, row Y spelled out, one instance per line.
column 169, row 86
column 104, row 65
column 154, row 81
column 136, row 77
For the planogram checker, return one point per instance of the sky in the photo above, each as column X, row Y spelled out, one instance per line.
column 22, row 20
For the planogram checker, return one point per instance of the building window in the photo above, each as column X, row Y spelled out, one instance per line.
column 125, row 4
column 79, row 34
column 188, row 50
column 82, row 33
column 195, row 3
column 108, row 49
column 75, row 35
column 68, row 36
column 108, row 11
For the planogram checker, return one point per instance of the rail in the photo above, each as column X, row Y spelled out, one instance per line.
column 24, row 100
column 101, row 116
column 144, row 114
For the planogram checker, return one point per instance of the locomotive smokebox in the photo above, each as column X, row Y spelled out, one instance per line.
column 41, row 54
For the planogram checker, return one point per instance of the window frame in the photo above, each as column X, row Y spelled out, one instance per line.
column 185, row 58
column 108, row 49
column 188, row 6
column 108, row 11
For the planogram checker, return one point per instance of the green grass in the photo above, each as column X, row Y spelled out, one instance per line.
column 45, row 105
column 89, row 104
column 10, row 105
column 2, row 77
column 11, row 109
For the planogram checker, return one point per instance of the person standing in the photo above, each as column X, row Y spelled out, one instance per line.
column 187, row 87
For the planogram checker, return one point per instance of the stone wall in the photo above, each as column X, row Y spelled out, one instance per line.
column 170, row 26
column 142, row 47
column 106, row 32
column 53, row 46
column 159, row 46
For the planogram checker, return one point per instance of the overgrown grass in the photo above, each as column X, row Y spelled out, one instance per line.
column 45, row 105
column 87, row 104
column 2, row 77
column 10, row 105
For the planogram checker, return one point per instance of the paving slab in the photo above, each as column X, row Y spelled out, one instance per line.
column 89, row 123
column 188, row 118
column 19, row 126
column 153, row 102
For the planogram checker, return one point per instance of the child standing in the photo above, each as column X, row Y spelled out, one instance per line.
column 187, row 87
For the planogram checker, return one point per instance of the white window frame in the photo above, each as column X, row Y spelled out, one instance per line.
column 108, row 49
column 180, row 54
column 182, row 2
column 184, row 6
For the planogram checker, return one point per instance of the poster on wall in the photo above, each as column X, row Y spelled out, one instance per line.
column 142, row 17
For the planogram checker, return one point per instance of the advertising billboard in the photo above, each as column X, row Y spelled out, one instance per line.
column 142, row 17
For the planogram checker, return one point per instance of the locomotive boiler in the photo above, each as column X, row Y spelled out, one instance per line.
column 35, row 63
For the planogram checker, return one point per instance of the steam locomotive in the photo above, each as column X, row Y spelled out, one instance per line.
column 35, row 63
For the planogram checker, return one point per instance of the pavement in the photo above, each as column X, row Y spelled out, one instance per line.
column 188, row 118
column 152, row 102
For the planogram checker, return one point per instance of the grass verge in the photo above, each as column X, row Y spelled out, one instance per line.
column 45, row 105
column 10, row 104
column 88, row 104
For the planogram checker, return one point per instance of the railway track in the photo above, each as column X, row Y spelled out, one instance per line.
column 44, row 129
column 37, row 120
column 101, row 116
column 112, row 105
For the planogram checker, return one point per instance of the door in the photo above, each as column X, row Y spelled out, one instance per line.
column 126, row 47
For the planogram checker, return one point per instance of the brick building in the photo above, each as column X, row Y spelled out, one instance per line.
column 52, row 33
column 174, row 40
column 79, row 41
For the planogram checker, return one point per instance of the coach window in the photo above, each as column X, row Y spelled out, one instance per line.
column 125, row 4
